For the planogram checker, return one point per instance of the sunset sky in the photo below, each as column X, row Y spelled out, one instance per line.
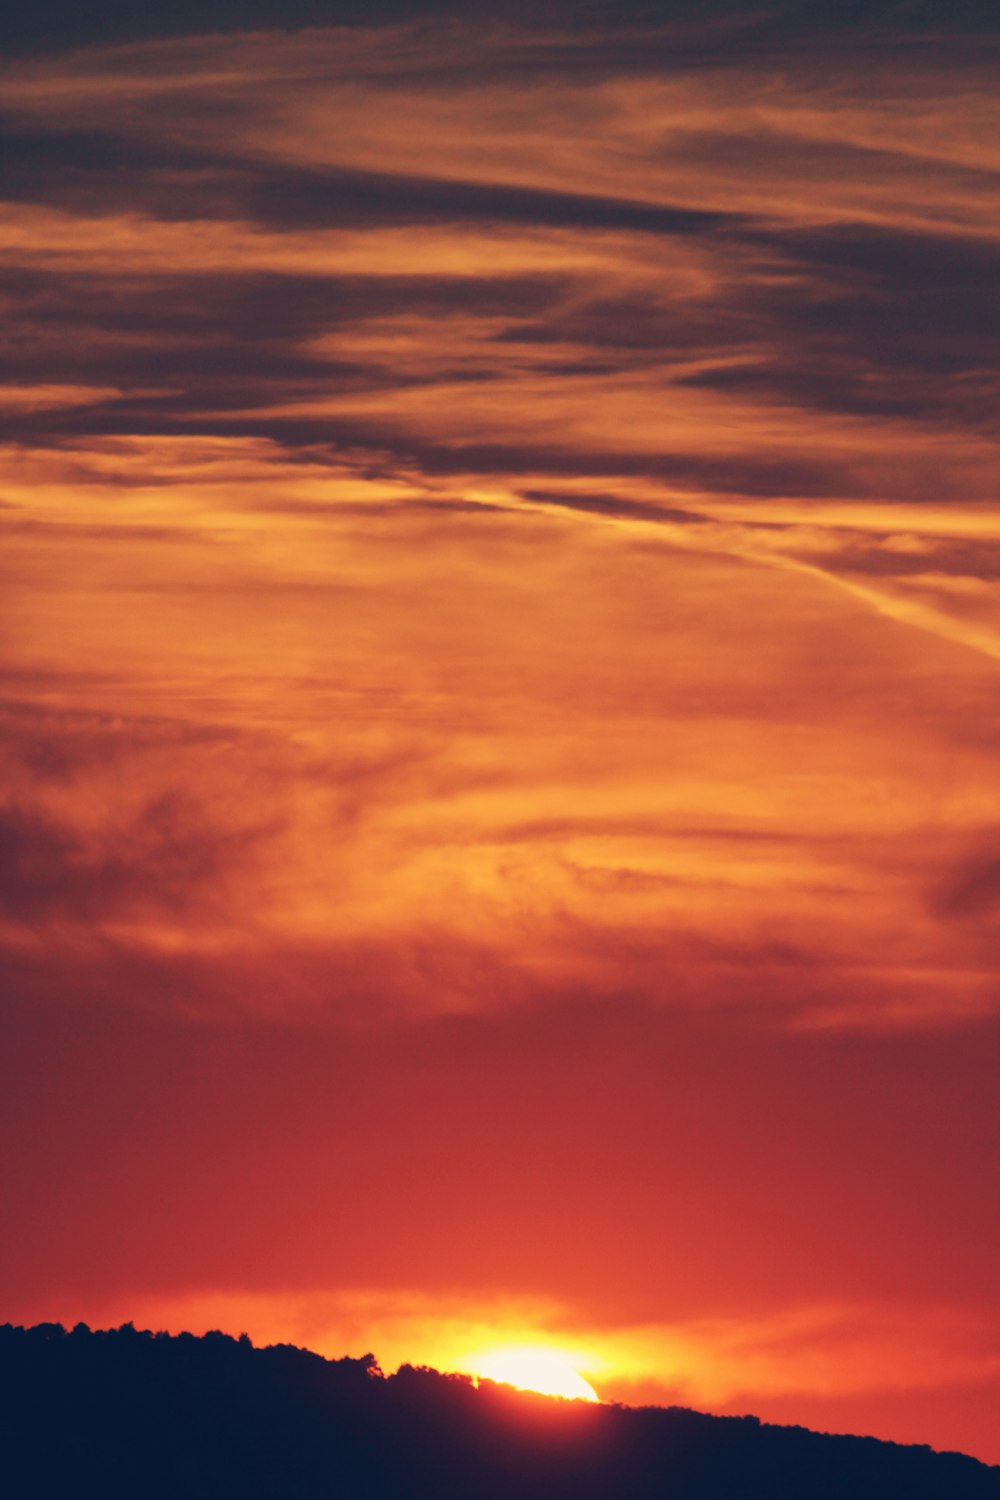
column 500, row 817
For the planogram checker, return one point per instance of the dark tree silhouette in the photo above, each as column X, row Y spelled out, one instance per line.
column 145, row 1415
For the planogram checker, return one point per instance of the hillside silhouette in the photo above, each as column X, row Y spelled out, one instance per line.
column 125, row 1413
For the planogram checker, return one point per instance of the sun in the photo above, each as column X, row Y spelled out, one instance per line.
column 533, row 1367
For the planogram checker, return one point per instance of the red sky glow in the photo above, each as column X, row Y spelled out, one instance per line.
column 500, row 824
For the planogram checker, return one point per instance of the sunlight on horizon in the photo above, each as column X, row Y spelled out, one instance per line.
column 531, row 1367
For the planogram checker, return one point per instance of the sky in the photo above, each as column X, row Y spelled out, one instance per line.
column 499, row 821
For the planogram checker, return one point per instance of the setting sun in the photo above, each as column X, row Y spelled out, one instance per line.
column 531, row 1368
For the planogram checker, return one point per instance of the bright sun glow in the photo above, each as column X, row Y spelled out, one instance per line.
column 531, row 1367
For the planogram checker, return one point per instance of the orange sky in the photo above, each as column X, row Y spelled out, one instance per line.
column 499, row 834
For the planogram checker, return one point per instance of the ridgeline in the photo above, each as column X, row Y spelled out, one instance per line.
column 146, row 1416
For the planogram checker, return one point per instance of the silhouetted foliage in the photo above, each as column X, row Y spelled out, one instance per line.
column 150, row 1415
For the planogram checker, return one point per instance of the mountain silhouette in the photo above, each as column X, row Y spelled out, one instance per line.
column 125, row 1413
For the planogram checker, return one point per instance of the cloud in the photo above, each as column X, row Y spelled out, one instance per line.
column 165, row 858
column 603, row 504
column 423, row 827
column 972, row 887
column 827, row 1350
column 493, row 448
column 668, row 259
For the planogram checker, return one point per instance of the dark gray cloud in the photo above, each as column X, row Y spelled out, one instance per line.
column 881, row 558
column 230, row 340
column 55, row 744
column 872, row 321
column 762, row 476
column 615, row 505
column 58, row 23
column 781, row 23
column 297, row 197
column 177, row 183
column 972, row 887
column 165, row 858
